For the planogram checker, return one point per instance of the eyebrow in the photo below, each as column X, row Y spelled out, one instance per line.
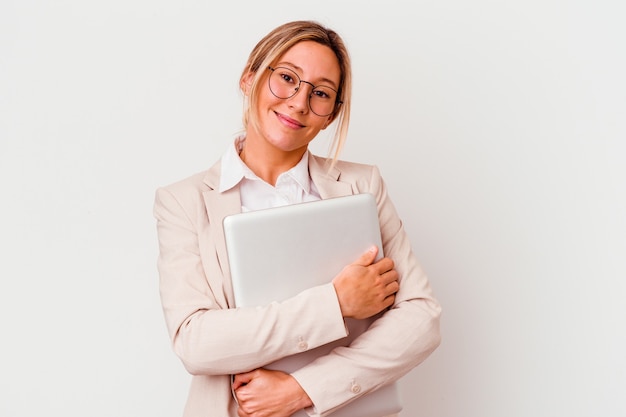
column 294, row 66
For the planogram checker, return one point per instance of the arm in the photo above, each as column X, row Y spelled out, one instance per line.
column 209, row 337
column 399, row 340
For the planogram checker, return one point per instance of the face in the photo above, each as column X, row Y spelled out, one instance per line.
column 289, row 125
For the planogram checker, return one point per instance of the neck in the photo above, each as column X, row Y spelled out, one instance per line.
column 268, row 165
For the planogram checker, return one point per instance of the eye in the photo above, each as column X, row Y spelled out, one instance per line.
column 322, row 93
column 288, row 77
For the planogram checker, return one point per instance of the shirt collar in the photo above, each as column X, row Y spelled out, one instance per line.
column 300, row 173
column 234, row 169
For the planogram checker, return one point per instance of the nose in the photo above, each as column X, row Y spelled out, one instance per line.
column 300, row 100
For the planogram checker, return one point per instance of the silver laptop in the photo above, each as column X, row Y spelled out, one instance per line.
column 313, row 242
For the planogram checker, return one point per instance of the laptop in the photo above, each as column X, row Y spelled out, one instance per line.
column 312, row 241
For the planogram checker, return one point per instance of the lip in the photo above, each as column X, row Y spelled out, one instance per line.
column 288, row 121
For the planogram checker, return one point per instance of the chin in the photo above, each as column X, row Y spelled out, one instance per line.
column 287, row 145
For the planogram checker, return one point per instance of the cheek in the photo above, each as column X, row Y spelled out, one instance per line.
column 267, row 101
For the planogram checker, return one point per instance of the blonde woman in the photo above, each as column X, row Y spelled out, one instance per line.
column 297, row 82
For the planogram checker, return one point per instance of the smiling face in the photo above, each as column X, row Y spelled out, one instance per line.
column 287, row 126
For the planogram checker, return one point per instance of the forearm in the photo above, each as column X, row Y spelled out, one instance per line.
column 397, row 342
column 238, row 340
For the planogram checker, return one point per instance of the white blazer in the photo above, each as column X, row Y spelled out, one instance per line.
column 214, row 341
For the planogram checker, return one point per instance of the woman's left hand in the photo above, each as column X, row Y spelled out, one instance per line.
column 265, row 393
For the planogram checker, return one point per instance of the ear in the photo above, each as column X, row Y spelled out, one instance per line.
column 245, row 83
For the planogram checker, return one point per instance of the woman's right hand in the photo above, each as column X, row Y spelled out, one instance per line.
column 365, row 288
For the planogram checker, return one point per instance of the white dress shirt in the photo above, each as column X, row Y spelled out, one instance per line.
column 292, row 186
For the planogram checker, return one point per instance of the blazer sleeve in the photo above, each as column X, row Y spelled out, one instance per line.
column 403, row 337
column 209, row 337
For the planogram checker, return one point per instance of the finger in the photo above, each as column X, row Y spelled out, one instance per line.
column 241, row 379
column 392, row 287
column 384, row 265
column 368, row 257
column 389, row 277
column 389, row 300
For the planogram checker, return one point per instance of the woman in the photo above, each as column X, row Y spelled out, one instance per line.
column 297, row 81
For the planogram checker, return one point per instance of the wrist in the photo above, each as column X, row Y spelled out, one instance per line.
column 302, row 399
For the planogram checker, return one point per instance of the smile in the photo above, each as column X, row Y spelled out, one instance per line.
column 288, row 121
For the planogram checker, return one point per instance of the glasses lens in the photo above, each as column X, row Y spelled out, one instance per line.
column 322, row 100
column 284, row 83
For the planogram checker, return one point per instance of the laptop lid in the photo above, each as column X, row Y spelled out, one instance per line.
column 312, row 241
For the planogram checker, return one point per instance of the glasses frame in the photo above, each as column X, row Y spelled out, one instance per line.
column 296, row 89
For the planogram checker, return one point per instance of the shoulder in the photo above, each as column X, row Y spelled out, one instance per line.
column 180, row 199
column 194, row 184
column 358, row 177
column 188, row 192
column 346, row 170
column 191, row 184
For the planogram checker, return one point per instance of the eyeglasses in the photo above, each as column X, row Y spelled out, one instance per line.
column 285, row 83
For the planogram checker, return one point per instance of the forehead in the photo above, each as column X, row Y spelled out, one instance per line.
column 313, row 61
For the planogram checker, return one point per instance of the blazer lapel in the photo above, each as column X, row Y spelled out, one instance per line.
column 218, row 206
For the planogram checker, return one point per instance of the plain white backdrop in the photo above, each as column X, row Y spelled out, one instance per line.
column 499, row 127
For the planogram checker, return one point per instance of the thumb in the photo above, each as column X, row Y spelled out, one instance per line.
column 367, row 257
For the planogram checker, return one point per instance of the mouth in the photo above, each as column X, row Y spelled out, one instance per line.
column 288, row 121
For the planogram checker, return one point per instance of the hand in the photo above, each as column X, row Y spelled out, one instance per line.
column 265, row 393
column 365, row 288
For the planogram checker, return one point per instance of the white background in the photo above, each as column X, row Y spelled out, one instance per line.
column 499, row 127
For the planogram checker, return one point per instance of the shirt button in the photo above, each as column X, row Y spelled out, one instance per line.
column 302, row 345
column 356, row 388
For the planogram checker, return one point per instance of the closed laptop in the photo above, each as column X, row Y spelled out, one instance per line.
column 312, row 241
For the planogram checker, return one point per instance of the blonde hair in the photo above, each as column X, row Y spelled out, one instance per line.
column 274, row 45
